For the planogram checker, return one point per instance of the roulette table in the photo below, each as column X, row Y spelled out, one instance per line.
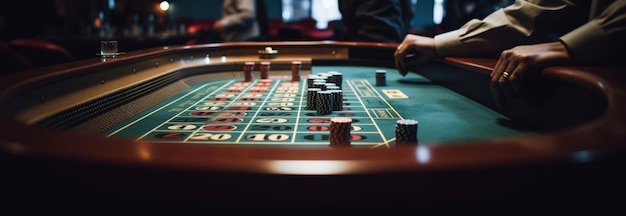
column 180, row 126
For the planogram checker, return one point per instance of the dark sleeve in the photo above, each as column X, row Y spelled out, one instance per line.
column 380, row 21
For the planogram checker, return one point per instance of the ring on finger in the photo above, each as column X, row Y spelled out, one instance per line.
column 506, row 75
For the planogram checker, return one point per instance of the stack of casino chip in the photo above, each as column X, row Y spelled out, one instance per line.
column 381, row 78
column 296, row 66
column 337, row 97
column 320, row 84
column 324, row 93
column 265, row 70
column 406, row 132
column 336, row 77
column 332, row 77
column 324, row 103
column 248, row 68
column 311, row 98
column 326, row 76
column 328, row 86
column 311, row 79
column 340, row 131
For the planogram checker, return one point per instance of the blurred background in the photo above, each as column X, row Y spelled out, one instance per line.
column 45, row 32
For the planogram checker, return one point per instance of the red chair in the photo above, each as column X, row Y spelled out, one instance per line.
column 184, row 21
column 39, row 52
column 200, row 26
column 311, row 32
column 274, row 26
column 291, row 32
column 11, row 61
column 317, row 35
column 307, row 23
column 201, row 29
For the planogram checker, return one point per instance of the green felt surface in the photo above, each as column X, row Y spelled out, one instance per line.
column 443, row 115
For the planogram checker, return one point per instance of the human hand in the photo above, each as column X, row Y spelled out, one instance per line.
column 414, row 49
column 516, row 66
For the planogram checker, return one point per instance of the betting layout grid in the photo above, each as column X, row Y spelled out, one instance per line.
column 268, row 111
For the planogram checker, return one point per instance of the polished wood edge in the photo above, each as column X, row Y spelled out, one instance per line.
column 25, row 79
column 596, row 139
column 608, row 81
column 477, row 64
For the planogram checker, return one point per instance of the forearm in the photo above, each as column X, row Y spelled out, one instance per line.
column 600, row 40
column 519, row 23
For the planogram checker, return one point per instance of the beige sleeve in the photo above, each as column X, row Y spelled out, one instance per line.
column 503, row 29
column 599, row 40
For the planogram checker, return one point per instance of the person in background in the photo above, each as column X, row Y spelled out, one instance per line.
column 526, row 37
column 458, row 12
column 263, row 20
column 385, row 21
column 238, row 22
